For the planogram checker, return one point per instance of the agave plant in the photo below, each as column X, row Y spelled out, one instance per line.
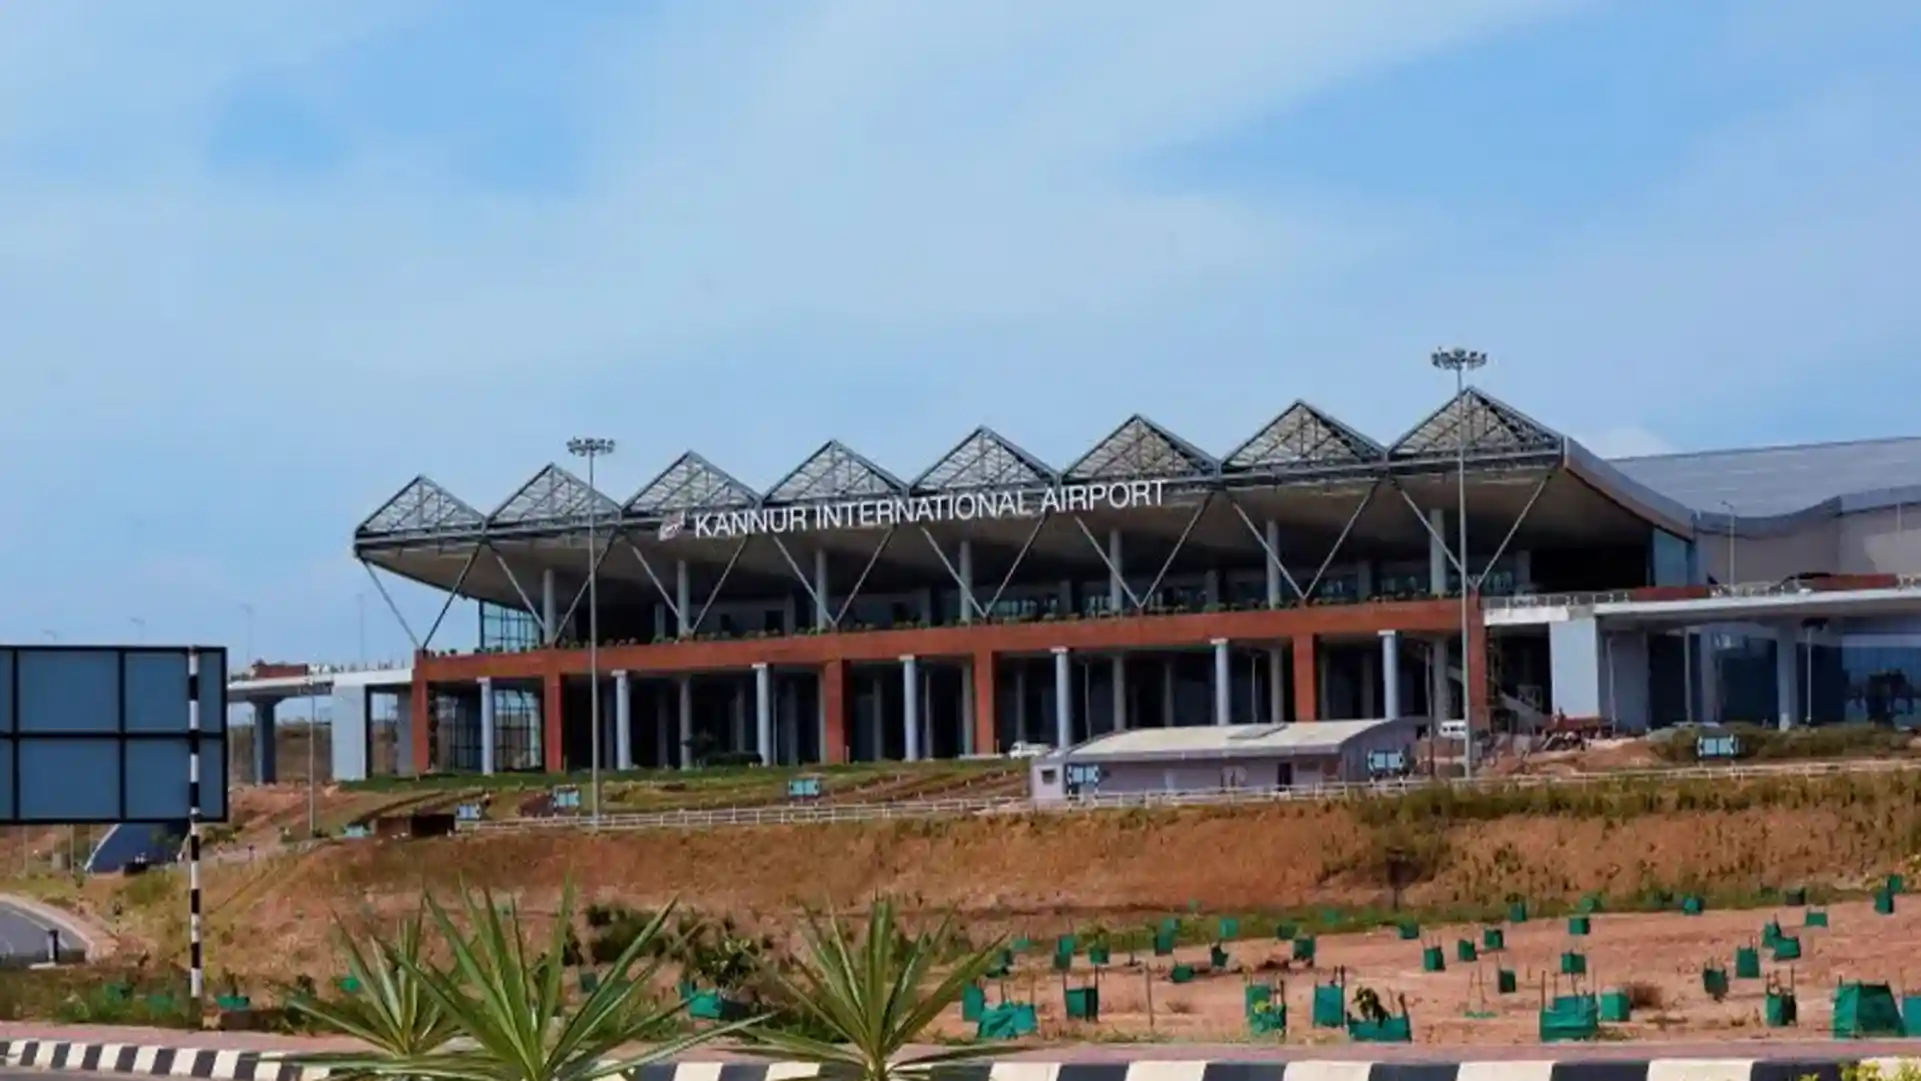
column 507, row 1007
column 875, row 992
column 387, row 1007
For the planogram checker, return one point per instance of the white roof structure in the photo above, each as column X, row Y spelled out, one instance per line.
column 1213, row 742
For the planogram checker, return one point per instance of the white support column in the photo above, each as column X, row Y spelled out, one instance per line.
column 764, row 713
column 964, row 568
column 683, row 600
column 663, row 732
column 1063, row 699
column 1116, row 584
column 686, row 687
column 623, row 721
column 487, row 740
column 1167, row 692
column 1787, row 675
column 1120, row 692
column 1021, row 733
column 967, row 710
column 1391, row 675
column 549, row 605
column 1437, row 561
column 1223, row 683
column 1276, row 685
column 1272, row 530
column 910, row 705
column 823, row 616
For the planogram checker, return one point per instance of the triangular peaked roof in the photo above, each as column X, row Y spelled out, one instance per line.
column 834, row 472
column 692, row 483
column 1303, row 437
column 552, row 495
column 1492, row 427
column 420, row 507
column 985, row 460
column 1142, row 450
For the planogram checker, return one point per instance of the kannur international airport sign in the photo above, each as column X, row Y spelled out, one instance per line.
column 885, row 512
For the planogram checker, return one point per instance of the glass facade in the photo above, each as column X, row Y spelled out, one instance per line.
column 1867, row 679
column 507, row 630
column 1670, row 560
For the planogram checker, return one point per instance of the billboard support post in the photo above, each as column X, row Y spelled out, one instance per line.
column 197, row 975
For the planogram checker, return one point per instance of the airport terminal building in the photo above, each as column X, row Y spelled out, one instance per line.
column 1310, row 573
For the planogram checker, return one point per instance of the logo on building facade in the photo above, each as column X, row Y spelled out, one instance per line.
column 916, row 510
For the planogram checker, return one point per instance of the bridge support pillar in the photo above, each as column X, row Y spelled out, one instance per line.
column 266, row 768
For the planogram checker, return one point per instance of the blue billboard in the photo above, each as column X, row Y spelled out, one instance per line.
column 94, row 734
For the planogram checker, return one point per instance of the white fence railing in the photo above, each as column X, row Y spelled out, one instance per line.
column 1720, row 592
column 799, row 814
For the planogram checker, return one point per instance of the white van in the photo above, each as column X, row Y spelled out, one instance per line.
column 1453, row 729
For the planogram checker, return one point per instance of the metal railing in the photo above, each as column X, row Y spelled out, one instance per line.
column 801, row 814
column 1717, row 592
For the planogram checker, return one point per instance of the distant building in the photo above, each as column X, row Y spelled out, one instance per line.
column 1216, row 757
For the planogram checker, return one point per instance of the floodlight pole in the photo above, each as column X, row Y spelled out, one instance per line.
column 591, row 448
column 1461, row 362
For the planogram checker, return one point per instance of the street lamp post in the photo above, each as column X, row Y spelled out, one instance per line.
column 590, row 449
column 1461, row 362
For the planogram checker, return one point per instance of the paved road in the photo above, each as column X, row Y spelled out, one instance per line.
column 23, row 935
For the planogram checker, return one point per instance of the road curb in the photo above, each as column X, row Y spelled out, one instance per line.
column 211, row 1064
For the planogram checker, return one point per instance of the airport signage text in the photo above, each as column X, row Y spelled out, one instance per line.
column 885, row 512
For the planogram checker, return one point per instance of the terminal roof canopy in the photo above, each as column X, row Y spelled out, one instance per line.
column 835, row 472
column 552, row 495
column 985, row 461
column 692, row 483
column 1492, row 428
column 422, row 507
column 1303, row 437
column 1142, row 450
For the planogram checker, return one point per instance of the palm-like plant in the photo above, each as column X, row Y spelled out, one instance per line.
column 508, row 1006
column 876, row 993
column 387, row 1008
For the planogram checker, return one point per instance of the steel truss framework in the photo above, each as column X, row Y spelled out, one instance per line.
column 1303, row 445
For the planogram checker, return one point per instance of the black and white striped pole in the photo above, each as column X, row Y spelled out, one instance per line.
column 196, row 971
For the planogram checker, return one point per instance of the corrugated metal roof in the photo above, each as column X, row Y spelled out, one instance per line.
column 1223, row 741
column 1778, row 480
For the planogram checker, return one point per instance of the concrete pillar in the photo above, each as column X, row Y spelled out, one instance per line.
column 487, row 735
column 1067, row 598
column 1211, row 588
column 1021, row 733
column 549, row 605
column 1440, row 689
column 1116, row 583
column 910, row 705
column 1272, row 531
column 623, row 721
column 1223, row 684
column 1391, row 675
column 764, row 713
column 1168, row 675
column 266, row 764
column 1787, row 675
column 1307, row 695
column 1063, row 699
column 1276, row 685
column 823, row 616
column 1120, row 692
column 1437, row 561
column 683, row 600
column 685, row 686
column 968, row 721
column 1324, row 682
column 964, row 568
column 789, row 615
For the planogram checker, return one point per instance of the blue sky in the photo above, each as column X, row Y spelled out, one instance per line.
column 264, row 262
